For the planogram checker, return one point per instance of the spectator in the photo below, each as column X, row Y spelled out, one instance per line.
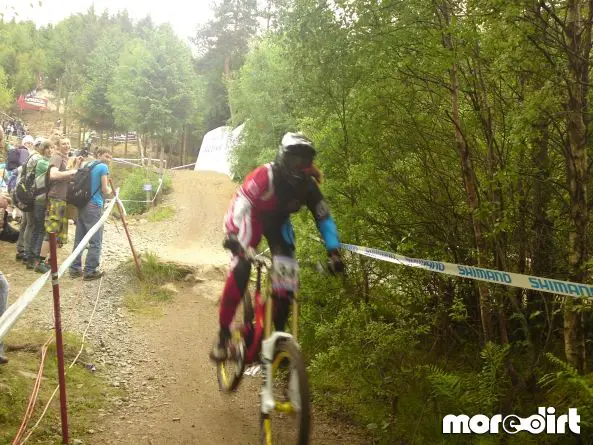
column 4, row 203
column 17, row 157
column 24, row 241
column 89, row 215
column 7, row 232
column 56, row 217
column 3, row 302
column 21, row 153
column 3, row 145
column 40, row 163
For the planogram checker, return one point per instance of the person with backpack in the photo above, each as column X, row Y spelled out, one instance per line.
column 22, row 245
column 36, row 166
column 16, row 157
column 56, row 216
column 87, row 194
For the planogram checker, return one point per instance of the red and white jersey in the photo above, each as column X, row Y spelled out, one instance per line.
column 264, row 198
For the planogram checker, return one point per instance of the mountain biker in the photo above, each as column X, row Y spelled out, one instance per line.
column 262, row 206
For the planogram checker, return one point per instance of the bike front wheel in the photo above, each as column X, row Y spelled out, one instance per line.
column 289, row 422
column 230, row 371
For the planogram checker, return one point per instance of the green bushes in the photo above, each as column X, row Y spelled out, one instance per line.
column 133, row 188
column 149, row 293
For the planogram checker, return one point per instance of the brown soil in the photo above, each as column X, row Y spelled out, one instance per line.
column 188, row 407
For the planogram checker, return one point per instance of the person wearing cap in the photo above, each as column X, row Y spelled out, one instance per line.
column 23, row 243
column 38, row 163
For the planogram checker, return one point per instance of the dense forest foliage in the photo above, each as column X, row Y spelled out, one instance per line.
column 108, row 72
column 448, row 130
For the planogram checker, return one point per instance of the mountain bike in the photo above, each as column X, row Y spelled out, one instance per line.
column 285, row 405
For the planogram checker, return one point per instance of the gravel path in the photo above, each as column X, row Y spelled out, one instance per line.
column 171, row 394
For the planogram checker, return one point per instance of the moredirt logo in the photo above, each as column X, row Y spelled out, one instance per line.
column 545, row 421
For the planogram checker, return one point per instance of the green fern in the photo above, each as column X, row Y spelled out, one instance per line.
column 472, row 392
column 568, row 375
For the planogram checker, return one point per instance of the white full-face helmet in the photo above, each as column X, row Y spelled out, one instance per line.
column 295, row 157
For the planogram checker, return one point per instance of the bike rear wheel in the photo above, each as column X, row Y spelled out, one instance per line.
column 289, row 423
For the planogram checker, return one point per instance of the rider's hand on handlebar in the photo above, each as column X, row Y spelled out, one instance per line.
column 335, row 263
column 233, row 244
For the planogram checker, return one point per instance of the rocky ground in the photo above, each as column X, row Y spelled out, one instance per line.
column 169, row 393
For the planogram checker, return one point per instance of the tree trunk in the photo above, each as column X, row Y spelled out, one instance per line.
column 126, row 144
column 542, row 250
column 470, row 182
column 227, row 66
column 162, row 159
column 59, row 97
column 184, row 144
column 578, row 36
column 65, row 114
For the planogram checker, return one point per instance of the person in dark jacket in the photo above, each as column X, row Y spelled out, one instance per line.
column 17, row 157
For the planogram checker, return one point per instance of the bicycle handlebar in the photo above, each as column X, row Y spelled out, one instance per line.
column 259, row 258
column 263, row 259
column 251, row 255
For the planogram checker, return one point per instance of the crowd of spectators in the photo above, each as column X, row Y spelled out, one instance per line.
column 14, row 127
column 55, row 166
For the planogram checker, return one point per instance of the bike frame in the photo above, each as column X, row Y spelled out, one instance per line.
column 263, row 327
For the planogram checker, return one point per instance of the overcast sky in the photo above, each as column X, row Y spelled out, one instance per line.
column 183, row 15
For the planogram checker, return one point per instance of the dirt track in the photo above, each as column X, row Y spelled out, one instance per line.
column 180, row 401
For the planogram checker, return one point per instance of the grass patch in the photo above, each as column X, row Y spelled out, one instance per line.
column 132, row 188
column 119, row 173
column 149, row 295
column 87, row 392
column 161, row 213
column 159, row 273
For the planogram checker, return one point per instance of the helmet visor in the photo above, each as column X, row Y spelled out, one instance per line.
column 295, row 162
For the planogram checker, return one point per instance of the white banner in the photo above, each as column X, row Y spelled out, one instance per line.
column 216, row 148
column 477, row 273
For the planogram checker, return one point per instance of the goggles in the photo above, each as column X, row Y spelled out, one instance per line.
column 298, row 162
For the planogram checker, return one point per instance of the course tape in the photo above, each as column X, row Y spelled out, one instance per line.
column 138, row 159
column 153, row 198
column 478, row 273
column 183, row 166
column 16, row 309
column 122, row 161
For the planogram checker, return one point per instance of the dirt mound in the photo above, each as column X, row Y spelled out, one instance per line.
column 39, row 123
column 201, row 200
